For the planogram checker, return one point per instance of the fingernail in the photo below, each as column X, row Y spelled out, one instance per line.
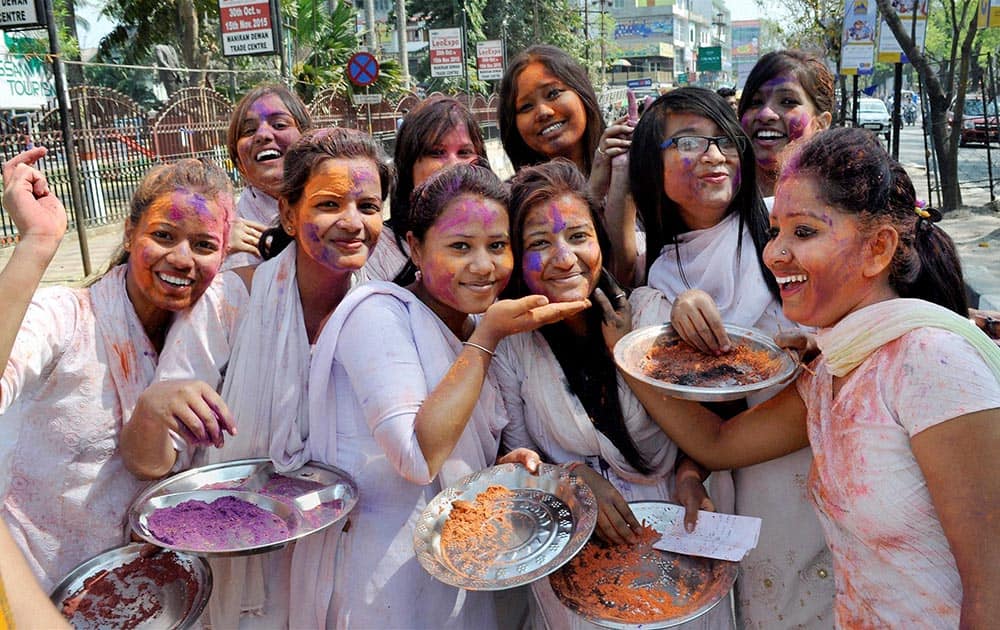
column 689, row 527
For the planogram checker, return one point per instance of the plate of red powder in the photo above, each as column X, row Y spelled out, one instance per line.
column 656, row 355
column 135, row 586
column 241, row 507
column 628, row 586
column 503, row 527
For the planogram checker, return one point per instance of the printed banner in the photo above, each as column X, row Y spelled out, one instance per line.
column 857, row 54
column 446, row 52
column 889, row 50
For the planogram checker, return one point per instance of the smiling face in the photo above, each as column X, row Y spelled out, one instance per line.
column 338, row 219
column 550, row 117
column 266, row 132
column 464, row 258
column 823, row 261
column 175, row 250
column 562, row 256
column 780, row 112
column 455, row 147
column 701, row 185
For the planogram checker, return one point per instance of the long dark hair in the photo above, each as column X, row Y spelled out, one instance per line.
column 853, row 172
column 588, row 366
column 301, row 161
column 660, row 214
column 567, row 70
column 811, row 73
column 291, row 101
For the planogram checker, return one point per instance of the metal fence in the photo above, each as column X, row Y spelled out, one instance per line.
column 116, row 142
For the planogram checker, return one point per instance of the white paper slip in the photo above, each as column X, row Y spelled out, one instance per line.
column 721, row 536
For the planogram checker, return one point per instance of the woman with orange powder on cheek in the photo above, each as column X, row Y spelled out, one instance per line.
column 331, row 203
column 76, row 359
column 901, row 409
column 402, row 396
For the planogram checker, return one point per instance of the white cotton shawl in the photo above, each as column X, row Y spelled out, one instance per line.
column 710, row 263
column 314, row 561
column 854, row 338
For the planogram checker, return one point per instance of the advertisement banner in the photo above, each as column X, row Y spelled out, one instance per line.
column 858, row 38
column 989, row 13
column 889, row 50
column 447, row 59
column 489, row 60
column 246, row 28
column 24, row 83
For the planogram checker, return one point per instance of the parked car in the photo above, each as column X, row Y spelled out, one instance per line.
column 975, row 123
column 872, row 114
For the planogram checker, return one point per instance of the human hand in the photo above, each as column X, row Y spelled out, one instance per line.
column 615, row 522
column 524, row 456
column 244, row 236
column 34, row 209
column 616, row 312
column 689, row 492
column 697, row 320
column 509, row 317
column 189, row 408
column 799, row 341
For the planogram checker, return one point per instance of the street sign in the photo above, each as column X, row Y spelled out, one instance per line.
column 247, row 28
column 489, row 60
column 447, row 59
column 366, row 99
column 709, row 59
column 640, row 83
column 362, row 69
column 682, row 78
column 18, row 14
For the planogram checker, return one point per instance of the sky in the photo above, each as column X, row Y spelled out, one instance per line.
column 743, row 9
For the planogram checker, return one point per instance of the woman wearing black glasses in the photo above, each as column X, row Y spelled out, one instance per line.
column 693, row 177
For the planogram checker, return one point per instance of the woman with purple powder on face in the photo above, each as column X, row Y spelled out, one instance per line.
column 695, row 186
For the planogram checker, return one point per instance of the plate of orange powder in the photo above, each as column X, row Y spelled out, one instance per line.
column 503, row 527
column 629, row 586
column 656, row 355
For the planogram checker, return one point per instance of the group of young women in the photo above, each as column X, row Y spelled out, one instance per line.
column 477, row 326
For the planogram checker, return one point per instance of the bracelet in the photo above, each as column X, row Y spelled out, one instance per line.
column 479, row 347
column 570, row 467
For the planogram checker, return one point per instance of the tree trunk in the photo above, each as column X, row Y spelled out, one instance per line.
column 190, row 46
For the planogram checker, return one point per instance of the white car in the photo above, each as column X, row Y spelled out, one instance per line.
column 873, row 115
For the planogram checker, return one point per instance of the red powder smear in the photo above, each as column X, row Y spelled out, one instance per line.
column 124, row 358
column 226, row 523
column 128, row 596
column 674, row 361
column 604, row 581
column 477, row 532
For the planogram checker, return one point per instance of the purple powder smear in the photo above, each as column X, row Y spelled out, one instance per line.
column 534, row 261
column 286, row 490
column 226, row 523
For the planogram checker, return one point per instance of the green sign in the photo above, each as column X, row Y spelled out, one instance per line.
column 682, row 78
column 709, row 59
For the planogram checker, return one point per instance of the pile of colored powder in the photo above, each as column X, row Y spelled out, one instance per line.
column 129, row 596
column 618, row 583
column 225, row 523
column 674, row 361
column 287, row 489
column 477, row 532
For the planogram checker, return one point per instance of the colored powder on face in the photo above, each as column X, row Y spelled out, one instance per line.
column 558, row 224
column 130, row 595
column 674, row 361
column 797, row 126
column 225, row 523
column 533, row 261
column 477, row 532
column 360, row 177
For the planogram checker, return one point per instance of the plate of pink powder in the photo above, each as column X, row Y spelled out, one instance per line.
column 241, row 507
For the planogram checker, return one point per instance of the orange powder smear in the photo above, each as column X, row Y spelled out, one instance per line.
column 605, row 581
column 674, row 361
column 475, row 532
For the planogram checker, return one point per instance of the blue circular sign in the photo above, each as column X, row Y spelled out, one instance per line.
column 362, row 69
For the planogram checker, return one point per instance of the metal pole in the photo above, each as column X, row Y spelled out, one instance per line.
column 928, row 153
column 280, row 43
column 62, row 94
column 370, row 23
column 465, row 59
column 404, row 59
column 986, row 120
column 854, row 101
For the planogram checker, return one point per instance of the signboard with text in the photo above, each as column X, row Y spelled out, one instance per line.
column 858, row 37
column 709, row 59
column 25, row 83
column 889, row 50
column 489, row 60
column 247, row 27
column 446, row 52
column 16, row 14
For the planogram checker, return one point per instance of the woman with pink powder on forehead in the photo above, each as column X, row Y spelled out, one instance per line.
column 76, row 359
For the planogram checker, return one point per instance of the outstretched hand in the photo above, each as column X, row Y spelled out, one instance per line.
column 509, row 317
column 616, row 312
column 32, row 206
column 689, row 492
column 696, row 319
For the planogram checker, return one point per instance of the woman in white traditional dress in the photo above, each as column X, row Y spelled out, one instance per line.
column 559, row 383
column 403, row 398
column 693, row 179
column 76, row 359
column 901, row 409
column 256, row 327
column 264, row 124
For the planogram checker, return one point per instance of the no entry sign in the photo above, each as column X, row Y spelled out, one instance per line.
column 362, row 69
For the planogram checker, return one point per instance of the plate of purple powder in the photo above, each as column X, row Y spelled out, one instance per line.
column 241, row 507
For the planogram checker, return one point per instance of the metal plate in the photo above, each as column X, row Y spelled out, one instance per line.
column 546, row 521
column 632, row 348
column 693, row 585
column 139, row 585
column 331, row 496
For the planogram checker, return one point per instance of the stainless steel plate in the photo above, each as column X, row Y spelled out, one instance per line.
column 135, row 586
column 691, row 586
column 309, row 499
column 632, row 348
column 545, row 521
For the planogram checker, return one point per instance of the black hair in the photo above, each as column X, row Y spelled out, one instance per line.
column 853, row 172
column 659, row 213
column 726, row 92
column 811, row 73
